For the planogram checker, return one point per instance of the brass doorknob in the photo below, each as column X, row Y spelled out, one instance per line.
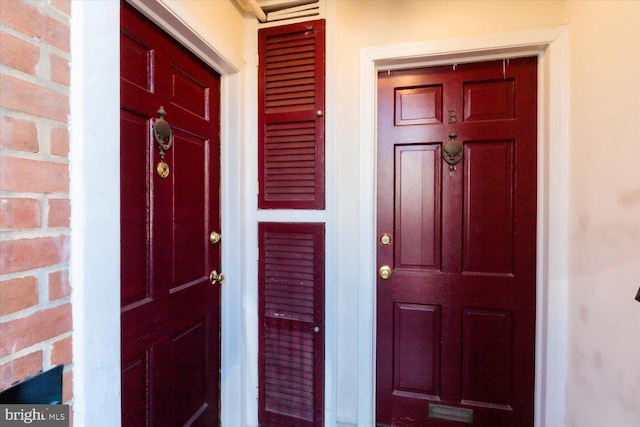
column 384, row 272
column 215, row 277
column 214, row 237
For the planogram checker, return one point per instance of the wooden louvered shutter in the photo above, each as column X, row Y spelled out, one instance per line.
column 291, row 116
column 291, row 307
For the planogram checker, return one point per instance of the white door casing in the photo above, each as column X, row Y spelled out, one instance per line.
column 551, row 47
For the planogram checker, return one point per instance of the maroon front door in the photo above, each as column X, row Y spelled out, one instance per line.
column 169, row 207
column 456, row 316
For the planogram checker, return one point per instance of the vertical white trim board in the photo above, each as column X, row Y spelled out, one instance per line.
column 551, row 47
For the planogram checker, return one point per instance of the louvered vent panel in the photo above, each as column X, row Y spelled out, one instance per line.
column 289, row 275
column 289, row 376
column 290, row 73
column 291, row 327
column 290, row 161
column 291, row 78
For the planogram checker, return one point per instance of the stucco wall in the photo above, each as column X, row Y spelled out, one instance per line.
column 224, row 19
column 603, row 378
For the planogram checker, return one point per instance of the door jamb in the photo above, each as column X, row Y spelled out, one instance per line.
column 551, row 47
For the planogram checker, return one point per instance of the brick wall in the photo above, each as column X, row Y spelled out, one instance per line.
column 35, row 304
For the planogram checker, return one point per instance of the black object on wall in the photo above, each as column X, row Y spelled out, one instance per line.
column 44, row 388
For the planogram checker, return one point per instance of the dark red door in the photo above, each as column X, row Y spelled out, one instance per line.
column 170, row 310
column 456, row 317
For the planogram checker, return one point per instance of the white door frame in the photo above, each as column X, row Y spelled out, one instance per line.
column 95, row 201
column 551, row 47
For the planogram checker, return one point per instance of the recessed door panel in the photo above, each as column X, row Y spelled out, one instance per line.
column 489, row 100
column 134, row 187
column 138, row 61
column 191, row 195
column 189, row 93
column 188, row 353
column 418, row 106
column 487, row 366
column 135, row 389
column 416, row 349
column 488, row 245
column 418, row 206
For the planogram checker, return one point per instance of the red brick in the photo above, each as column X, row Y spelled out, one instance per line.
column 31, row 99
column 59, row 286
column 62, row 5
column 19, row 369
column 60, row 142
column 19, row 214
column 18, row 134
column 61, row 352
column 39, row 326
column 27, row 254
column 18, row 294
column 67, row 386
column 33, row 176
column 19, row 54
column 30, row 21
column 60, row 70
column 59, row 213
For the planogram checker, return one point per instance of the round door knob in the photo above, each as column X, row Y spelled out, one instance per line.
column 316, row 329
column 384, row 272
column 216, row 277
column 214, row 237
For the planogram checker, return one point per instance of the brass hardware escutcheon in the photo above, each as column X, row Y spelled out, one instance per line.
column 163, row 169
column 216, row 278
column 384, row 272
column 385, row 239
column 214, row 237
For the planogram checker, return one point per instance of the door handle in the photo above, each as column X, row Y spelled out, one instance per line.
column 214, row 237
column 385, row 272
column 216, row 277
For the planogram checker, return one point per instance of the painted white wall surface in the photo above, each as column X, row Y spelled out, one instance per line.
column 223, row 18
column 603, row 378
column 95, row 211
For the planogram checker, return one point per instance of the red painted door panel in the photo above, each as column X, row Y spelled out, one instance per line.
column 291, row 309
column 170, row 311
column 456, row 319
